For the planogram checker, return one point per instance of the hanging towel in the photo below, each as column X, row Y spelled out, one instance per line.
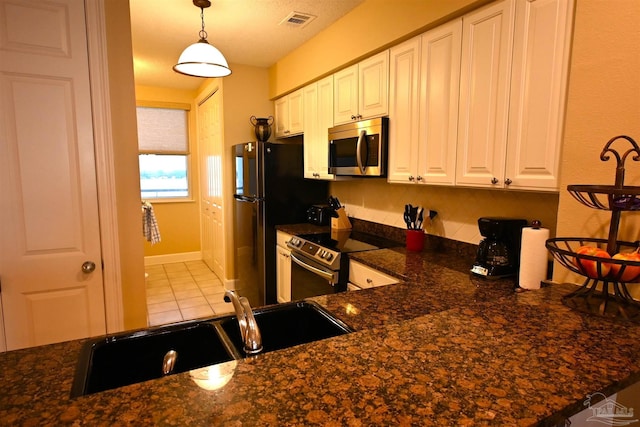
column 150, row 229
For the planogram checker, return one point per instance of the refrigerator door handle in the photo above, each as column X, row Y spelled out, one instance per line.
column 242, row 198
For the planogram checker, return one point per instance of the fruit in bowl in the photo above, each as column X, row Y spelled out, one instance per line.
column 631, row 272
column 590, row 267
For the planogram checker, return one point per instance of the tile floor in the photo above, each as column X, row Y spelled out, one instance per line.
column 183, row 291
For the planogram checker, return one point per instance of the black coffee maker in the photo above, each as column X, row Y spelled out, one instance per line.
column 499, row 252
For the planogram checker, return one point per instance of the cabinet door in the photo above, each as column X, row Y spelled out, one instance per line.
column 282, row 117
column 318, row 118
column 439, row 93
column 404, row 75
column 538, row 88
column 367, row 277
column 283, row 274
column 325, row 121
column 487, row 40
column 310, row 115
column 345, row 95
column 296, row 116
column 373, row 86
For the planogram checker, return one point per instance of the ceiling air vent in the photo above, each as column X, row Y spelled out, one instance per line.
column 297, row 19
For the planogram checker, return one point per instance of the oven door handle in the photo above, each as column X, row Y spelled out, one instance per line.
column 329, row 275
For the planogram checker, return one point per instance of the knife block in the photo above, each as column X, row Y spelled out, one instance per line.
column 341, row 222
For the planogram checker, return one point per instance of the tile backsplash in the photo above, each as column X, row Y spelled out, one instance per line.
column 458, row 209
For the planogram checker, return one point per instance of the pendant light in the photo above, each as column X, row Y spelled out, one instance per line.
column 202, row 59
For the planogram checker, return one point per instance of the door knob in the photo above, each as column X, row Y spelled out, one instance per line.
column 88, row 267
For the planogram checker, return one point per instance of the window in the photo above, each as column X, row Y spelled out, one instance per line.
column 163, row 144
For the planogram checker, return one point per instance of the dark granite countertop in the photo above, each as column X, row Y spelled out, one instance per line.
column 440, row 348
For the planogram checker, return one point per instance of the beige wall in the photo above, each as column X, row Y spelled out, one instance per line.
column 178, row 222
column 603, row 102
column 125, row 150
column 370, row 27
column 245, row 93
column 458, row 208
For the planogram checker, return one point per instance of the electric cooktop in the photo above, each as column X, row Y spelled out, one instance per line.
column 349, row 241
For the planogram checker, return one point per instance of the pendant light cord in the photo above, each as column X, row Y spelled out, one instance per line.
column 203, row 34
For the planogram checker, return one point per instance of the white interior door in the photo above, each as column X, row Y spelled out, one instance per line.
column 211, row 155
column 49, row 226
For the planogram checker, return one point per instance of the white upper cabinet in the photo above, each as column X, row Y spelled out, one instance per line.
column 318, row 118
column 289, row 114
column 484, row 95
column 345, row 95
column 439, row 94
column 404, row 113
column 361, row 90
column 538, row 90
column 423, row 106
column 512, row 94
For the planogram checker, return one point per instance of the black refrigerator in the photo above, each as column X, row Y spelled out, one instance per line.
column 269, row 190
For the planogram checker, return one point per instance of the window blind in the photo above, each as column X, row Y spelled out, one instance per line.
column 162, row 130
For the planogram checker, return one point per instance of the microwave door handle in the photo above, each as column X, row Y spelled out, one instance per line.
column 322, row 273
column 361, row 137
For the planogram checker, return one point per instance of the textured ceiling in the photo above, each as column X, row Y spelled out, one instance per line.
column 247, row 32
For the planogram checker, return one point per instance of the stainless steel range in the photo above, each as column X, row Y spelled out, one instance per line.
column 320, row 264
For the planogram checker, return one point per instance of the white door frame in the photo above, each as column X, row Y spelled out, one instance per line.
column 105, row 173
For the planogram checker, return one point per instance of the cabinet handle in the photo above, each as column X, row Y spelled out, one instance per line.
column 286, row 131
column 411, row 178
column 359, row 116
column 508, row 181
column 419, row 178
column 369, row 281
column 353, row 117
column 494, row 180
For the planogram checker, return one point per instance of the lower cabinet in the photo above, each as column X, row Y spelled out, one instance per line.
column 283, row 268
column 362, row 277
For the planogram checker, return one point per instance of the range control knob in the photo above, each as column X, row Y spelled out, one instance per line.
column 294, row 241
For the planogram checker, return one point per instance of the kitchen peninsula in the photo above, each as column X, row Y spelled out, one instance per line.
column 440, row 348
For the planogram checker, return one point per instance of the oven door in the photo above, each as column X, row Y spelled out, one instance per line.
column 310, row 279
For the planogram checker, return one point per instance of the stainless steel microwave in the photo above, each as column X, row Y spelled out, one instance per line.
column 359, row 148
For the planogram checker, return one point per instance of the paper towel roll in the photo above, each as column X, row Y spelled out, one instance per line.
column 533, row 257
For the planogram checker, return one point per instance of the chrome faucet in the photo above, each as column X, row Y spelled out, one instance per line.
column 248, row 326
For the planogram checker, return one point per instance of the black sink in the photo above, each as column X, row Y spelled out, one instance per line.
column 286, row 325
column 115, row 361
column 118, row 360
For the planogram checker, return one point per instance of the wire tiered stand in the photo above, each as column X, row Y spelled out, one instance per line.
column 612, row 298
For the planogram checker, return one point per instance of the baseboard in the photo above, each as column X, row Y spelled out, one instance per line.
column 169, row 258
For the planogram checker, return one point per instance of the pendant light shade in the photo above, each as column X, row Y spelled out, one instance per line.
column 202, row 59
